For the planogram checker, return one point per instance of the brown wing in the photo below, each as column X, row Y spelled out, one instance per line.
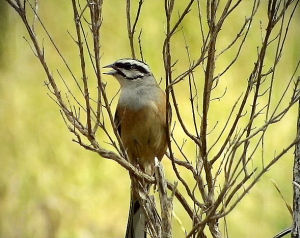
column 117, row 120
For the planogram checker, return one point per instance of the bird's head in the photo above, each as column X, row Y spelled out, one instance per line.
column 130, row 71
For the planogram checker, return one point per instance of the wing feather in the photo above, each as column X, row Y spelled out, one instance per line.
column 117, row 120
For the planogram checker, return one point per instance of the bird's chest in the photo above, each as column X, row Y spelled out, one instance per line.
column 135, row 99
column 142, row 124
column 139, row 120
column 139, row 116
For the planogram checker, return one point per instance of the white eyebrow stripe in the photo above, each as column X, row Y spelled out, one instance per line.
column 135, row 62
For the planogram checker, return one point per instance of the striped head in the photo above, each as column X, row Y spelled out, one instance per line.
column 130, row 71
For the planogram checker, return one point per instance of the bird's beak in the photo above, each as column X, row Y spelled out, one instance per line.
column 111, row 72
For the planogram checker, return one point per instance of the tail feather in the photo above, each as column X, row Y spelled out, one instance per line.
column 136, row 226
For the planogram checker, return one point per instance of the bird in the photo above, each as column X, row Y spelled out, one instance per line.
column 141, row 121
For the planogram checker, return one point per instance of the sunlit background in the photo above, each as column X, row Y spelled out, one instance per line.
column 51, row 187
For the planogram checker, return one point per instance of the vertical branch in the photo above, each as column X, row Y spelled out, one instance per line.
column 167, row 63
column 296, row 180
column 191, row 81
column 272, row 14
column 131, row 29
column 36, row 8
column 165, row 201
column 83, row 70
column 245, row 97
column 140, row 45
column 128, row 3
column 209, row 74
column 96, row 21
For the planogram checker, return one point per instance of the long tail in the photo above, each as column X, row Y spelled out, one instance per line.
column 136, row 226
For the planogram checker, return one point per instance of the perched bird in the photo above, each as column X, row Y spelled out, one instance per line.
column 141, row 122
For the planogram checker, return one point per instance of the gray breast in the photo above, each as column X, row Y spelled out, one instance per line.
column 138, row 97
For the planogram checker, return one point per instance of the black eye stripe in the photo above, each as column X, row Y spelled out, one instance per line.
column 141, row 69
column 129, row 66
column 123, row 65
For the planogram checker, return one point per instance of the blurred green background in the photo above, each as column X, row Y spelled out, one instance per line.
column 51, row 187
